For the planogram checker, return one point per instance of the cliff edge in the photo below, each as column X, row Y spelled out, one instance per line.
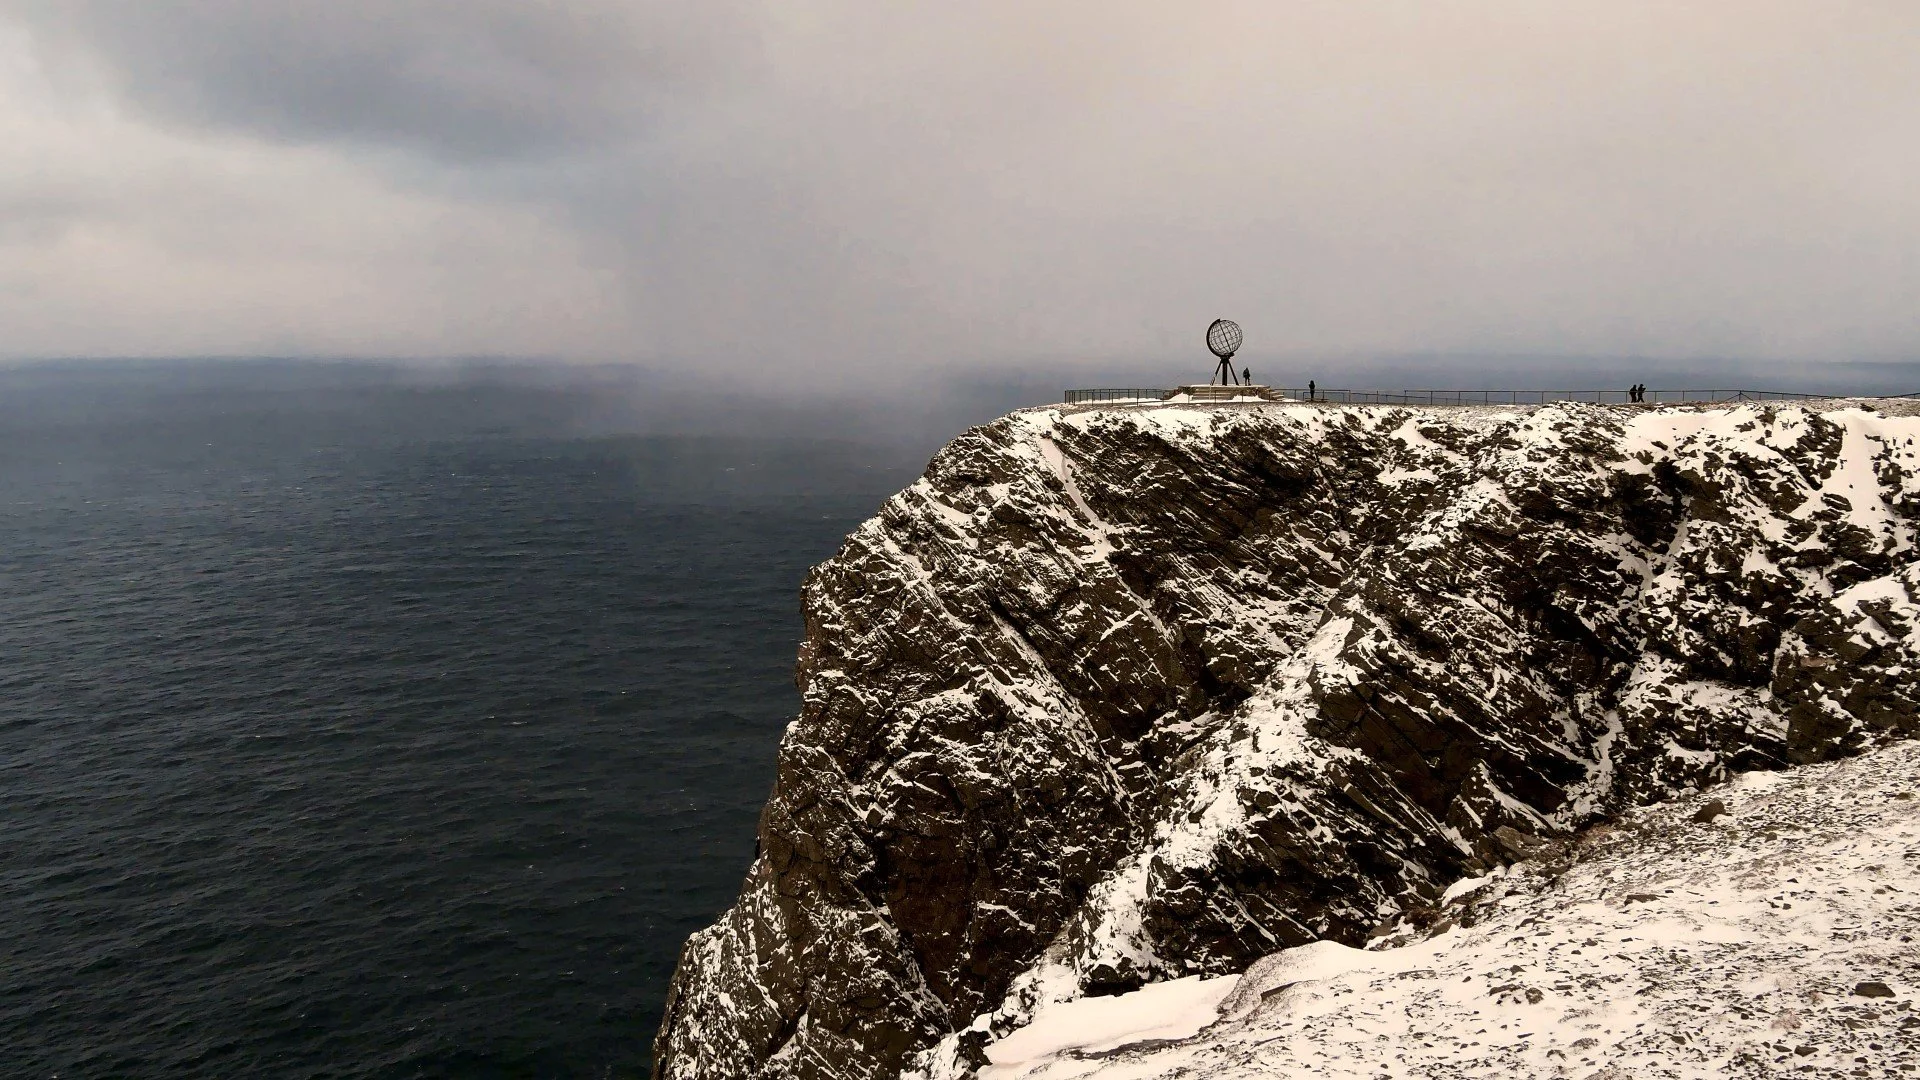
column 1117, row 695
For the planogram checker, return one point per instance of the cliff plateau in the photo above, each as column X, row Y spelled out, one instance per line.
column 1118, row 695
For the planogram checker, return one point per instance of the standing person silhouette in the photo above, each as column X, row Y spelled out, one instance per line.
column 1310, row 389
column 1246, row 376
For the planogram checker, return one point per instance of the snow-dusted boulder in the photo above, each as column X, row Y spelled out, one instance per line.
column 1120, row 695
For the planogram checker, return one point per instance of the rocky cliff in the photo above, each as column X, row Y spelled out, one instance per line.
column 1115, row 695
column 1763, row 928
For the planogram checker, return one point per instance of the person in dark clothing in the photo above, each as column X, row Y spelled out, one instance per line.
column 1246, row 376
column 1310, row 389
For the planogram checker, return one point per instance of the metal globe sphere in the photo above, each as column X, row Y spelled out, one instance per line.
column 1223, row 338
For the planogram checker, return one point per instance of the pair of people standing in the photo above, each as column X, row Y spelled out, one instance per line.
column 1637, row 392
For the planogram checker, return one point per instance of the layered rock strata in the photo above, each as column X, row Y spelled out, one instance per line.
column 1120, row 694
column 1768, row 927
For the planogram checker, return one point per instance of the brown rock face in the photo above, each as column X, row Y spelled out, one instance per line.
column 1120, row 694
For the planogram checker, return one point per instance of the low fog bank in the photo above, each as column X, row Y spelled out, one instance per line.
column 900, row 420
column 273, row 407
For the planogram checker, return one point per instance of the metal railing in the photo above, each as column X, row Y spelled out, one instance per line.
column 1473, row 397
column 1540, row 397
column 1079, row 397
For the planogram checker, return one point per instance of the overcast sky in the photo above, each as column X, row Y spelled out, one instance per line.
column 820, row 186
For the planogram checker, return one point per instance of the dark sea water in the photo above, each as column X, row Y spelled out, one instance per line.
column 360, row 730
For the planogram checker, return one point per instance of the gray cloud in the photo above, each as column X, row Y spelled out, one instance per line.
column 456, row 78
column 823, row 189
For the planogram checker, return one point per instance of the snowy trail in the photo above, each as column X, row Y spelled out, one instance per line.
column 1781, row 938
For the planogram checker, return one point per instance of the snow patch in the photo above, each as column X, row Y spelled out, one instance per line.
column 1164, row 1011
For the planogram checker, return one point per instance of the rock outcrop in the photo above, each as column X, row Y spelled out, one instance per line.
column 1778, row 940
column 1120, row 694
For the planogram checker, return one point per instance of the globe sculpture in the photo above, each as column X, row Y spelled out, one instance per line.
column 1223, row 340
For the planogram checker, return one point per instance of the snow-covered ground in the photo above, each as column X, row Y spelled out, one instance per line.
column 1779, row 938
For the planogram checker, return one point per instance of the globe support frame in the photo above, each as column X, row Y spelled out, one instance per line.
column 1223, row 341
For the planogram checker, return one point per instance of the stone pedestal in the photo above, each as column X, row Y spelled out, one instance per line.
column 1206, row 392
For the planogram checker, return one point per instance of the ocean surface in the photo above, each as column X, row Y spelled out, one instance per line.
column 355, row 727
